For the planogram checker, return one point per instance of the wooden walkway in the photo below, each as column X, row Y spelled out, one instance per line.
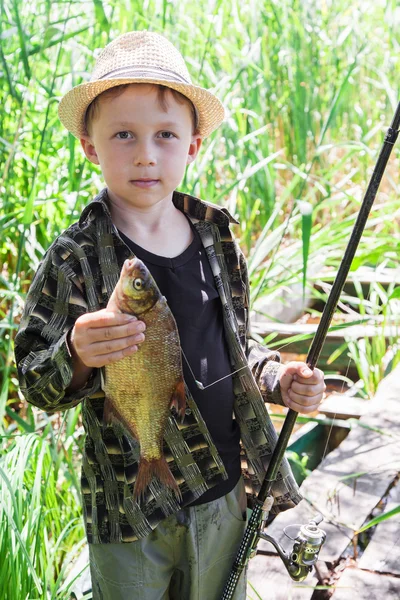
column 345, row 488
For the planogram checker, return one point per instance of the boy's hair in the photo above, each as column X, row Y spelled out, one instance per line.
column 93, row 108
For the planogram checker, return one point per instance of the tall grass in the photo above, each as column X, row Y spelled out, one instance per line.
column 41, row 529
column 377, row 356
column 309, row 87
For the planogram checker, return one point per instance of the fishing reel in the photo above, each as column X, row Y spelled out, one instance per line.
column 305, row 551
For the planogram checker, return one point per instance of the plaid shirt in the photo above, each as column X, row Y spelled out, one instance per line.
column 77, row 275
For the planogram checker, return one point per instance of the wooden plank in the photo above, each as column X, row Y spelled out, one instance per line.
column 270, row 580
column 356, row 583
column 345, row 501
column 334, row 339
column 344, row 406
column 364, row 275
column 337, row 490
column 354, row 332
column 342, row 363
column 383, row 551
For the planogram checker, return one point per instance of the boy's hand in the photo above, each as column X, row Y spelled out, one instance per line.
column 301, row 388
column 102, row 337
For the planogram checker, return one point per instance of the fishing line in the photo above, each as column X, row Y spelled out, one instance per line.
column 344, row 307
column 346, row 374
column 204, row 387
column 335, row 415
column 341, row 391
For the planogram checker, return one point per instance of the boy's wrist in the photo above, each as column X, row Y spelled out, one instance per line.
column 71, row 347
column 80, row 371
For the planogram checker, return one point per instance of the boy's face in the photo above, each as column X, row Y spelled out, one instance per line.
column 132, row 138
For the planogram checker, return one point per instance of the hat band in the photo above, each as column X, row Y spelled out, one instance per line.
column 143, row 73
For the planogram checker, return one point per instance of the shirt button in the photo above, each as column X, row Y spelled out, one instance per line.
column 188, row 411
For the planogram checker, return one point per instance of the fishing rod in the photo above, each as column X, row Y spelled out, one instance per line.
column 310, row 537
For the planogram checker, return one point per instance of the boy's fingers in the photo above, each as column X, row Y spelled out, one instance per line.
column 104, row 318
column 106, row 359
column 297, row 368
column 298, row 371
column 100, row 334
column 111, row 346
column 305, row 400
column 301, row 408
column 316, row 377
column 308, row 389
column 93, row 344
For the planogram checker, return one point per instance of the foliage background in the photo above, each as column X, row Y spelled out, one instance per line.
column 309, row 89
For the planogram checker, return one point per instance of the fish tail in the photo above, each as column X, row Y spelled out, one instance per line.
column 159, row 468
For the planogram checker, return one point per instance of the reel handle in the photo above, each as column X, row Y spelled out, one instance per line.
column 305, row 550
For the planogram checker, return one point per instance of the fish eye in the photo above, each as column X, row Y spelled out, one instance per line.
column 138, row 283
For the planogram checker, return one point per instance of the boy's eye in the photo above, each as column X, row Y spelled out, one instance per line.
column 123, row 134
column 167, row 133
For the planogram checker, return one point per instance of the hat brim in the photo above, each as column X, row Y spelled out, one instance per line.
column 73, row 105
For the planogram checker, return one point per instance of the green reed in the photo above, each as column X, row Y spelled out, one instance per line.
column 41, row 527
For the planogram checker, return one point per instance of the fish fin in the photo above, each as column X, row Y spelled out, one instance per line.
column 109, row 413
column 159, row 468
column 102, row 378
column 112, row 415
column 178, row 399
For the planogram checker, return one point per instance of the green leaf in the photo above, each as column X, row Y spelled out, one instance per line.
column 101, row 15
column 15, row 416
column 14, row 527
column 306, row 225
column 383, row 517
column 50, row 33
column 394, row 294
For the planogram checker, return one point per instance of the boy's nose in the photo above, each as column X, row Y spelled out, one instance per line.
column 144, row 155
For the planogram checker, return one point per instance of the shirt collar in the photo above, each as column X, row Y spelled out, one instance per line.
column 190, row 205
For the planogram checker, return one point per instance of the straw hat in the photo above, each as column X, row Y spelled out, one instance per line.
column 139, row 57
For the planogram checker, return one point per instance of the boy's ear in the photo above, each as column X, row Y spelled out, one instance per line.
column 194, row 148
column 89, row 149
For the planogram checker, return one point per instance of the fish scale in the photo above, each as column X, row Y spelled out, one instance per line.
column 140, row 388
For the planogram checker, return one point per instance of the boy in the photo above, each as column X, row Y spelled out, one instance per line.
column 143, row 135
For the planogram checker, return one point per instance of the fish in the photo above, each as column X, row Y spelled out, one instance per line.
column 140, row 389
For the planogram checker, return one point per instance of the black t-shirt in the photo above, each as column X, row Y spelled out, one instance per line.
column 188, row 284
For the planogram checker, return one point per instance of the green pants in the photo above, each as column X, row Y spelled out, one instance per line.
column 187, row 557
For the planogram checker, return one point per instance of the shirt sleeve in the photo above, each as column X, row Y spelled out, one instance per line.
column 264, row 363
column 44, row 363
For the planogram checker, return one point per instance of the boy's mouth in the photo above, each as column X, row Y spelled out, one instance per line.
column 144, row 182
